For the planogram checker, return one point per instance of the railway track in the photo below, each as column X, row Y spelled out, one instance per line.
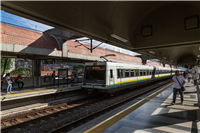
column 66, row 117
column 23, row 119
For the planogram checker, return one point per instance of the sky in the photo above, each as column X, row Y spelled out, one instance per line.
column 39, row 27
column 23, row 22
column 107, row 46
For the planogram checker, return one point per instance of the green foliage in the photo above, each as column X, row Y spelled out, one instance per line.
column 79, row 66
column 25, row 72
column 6, row 65
column 80, row 72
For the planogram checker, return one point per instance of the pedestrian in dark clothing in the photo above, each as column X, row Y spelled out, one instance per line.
column 54, row 77
column 2, row 80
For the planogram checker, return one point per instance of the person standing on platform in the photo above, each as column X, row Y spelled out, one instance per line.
column 179, row 81
column 195, row 77
column 72, row 78
column 75, row 78
column 19, row 80
column 54, row 77
column 2, row 80
column 189, row 76
column 9, row 83
column 184, row 75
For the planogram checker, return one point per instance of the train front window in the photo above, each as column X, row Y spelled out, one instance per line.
column 95, row 73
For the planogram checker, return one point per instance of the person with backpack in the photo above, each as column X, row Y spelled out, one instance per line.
column 179, row 82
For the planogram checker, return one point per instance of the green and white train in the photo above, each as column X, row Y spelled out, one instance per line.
column 109, row 77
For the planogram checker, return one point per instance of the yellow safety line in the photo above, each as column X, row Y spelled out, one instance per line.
column 141, row 78
column 115, row 118
column 34, row 91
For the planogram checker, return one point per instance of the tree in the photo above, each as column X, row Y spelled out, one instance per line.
column 6, row 65
column 21, row 70
column 80, row 68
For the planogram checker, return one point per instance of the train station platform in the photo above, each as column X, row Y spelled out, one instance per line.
column 32, row 92
column 155, row 113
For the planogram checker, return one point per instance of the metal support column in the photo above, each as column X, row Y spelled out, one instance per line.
column 91, row 45
column 33, row 75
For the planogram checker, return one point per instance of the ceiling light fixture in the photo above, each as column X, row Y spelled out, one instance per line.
column 151, row 52
column 198, row 55
column 119, row 38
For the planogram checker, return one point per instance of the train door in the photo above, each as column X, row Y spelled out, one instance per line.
column 153, row 72
column 137, row 74
column 119, row 75
column 111, row 77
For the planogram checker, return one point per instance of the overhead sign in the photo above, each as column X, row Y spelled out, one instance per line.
column 62, row 73
column 95, row 67
column 48, row 61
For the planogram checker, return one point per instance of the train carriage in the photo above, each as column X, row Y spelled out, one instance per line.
column 109, row 77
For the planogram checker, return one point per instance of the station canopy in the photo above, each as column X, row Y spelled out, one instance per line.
column 164, row 30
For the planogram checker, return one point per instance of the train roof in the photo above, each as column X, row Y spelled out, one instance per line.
column 125, row 64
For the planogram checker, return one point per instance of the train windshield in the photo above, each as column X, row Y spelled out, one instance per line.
column 95, row 73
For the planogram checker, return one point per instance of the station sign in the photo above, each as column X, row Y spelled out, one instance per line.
column 48, row 61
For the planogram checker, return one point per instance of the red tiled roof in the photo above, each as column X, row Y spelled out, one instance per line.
column 152, row 63
column 15, row 35
column 100, row 52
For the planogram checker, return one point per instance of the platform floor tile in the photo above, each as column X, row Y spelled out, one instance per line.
column 159, row 116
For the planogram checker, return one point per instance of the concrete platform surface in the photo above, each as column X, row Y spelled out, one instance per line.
column 159, row 116
column 32, row 92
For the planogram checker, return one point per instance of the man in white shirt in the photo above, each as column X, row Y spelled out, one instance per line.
column 189, row 76
column 177, row 78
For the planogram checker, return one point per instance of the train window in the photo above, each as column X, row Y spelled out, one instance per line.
column 95, row 73
column 127, row 73
column 111, row 73
column 137, row 72
column 141, row 73
column 119, row 73
column 144, row 73
column 122, row 73
column 132, row 73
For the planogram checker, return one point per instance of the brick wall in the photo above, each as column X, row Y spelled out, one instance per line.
column 15, row 35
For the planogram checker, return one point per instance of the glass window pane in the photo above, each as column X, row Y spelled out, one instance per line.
column 126, row 74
